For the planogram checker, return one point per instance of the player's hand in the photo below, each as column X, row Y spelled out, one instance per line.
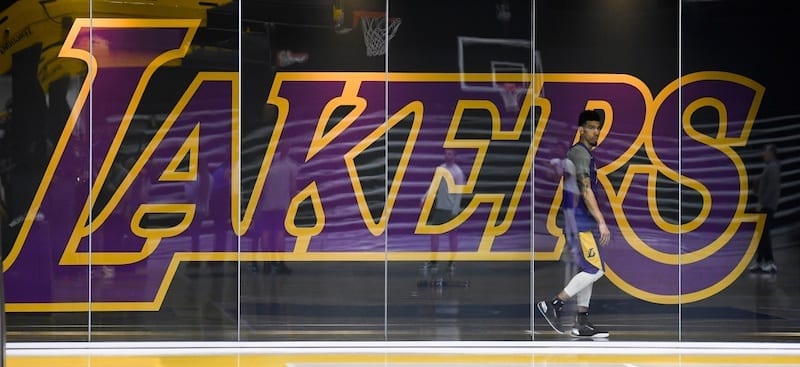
column 605, row 234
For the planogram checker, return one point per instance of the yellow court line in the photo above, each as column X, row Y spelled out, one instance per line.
column 401, row 360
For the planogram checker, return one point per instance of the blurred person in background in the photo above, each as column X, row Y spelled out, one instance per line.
column 767, row 187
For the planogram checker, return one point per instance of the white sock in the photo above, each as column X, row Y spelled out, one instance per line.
column 581, row 281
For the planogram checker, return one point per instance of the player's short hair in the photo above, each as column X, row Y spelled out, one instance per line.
column 772, row 149
column 589, row 115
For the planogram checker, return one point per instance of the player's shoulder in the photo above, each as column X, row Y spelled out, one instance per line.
column 578, row 151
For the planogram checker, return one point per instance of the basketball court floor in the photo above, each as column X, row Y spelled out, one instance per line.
column 543, row 354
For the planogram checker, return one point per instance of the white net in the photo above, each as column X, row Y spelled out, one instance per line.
column 510, row 94
column 376, row 34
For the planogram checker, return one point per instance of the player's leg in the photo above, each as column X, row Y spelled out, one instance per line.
column 582, row 284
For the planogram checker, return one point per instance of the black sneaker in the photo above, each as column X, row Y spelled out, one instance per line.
column 769, row 268
column 430, row 266
column 587, row 330
column 756, row 267
column 550, row 311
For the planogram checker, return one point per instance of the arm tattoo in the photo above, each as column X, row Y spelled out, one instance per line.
column 583, row 182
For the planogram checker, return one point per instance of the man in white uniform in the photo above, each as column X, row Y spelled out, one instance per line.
column 446, row 206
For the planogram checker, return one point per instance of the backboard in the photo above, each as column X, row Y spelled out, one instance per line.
column 507, row 61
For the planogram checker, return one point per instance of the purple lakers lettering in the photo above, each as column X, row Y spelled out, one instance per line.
column 367, row 174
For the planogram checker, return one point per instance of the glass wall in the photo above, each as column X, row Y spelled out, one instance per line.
column 459, row 237
column 308, row 170
column 738, row 124
column 591, row 62
column 313, row 175
column 45, row 60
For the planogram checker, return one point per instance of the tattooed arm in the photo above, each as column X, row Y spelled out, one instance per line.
column 591, row 203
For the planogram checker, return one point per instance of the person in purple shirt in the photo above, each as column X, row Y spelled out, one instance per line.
column 220, row 203
column 199, row 191
column 280, row 186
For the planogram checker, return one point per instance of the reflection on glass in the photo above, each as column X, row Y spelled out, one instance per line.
column 459, row 236
column 740, row 123
column 392, row 171
column 637, row 167
column 40, row 202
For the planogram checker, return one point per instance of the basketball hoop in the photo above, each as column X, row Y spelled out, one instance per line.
column 509, row 93
column 377, row 31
